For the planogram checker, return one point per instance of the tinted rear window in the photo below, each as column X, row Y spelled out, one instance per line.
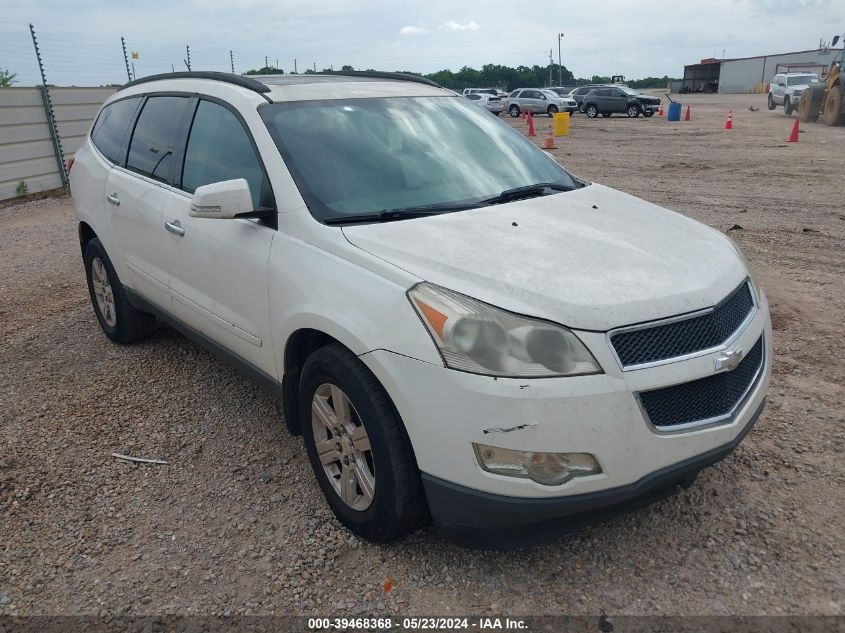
column 156, row 136
column 111, row 126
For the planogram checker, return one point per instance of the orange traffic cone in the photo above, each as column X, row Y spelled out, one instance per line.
column 550, row 140
column 793, row 136
column 729, row 124
column 687, row 116
column 660, row 112
column 531, row 131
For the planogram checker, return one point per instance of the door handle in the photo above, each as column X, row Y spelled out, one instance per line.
column 175, row 227
column 112, row 197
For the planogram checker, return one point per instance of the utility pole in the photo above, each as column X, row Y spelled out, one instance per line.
column 315, row 66
column 232, row 61
column 188, row 60
column 266, row 63
column 559, row 63
column 550, row 67
column 125, row 58
column 294, row 65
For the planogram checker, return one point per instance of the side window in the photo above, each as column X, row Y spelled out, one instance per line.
column 220, row 149
column 514, row 94
column 110, row 129
column 157, row 135
column 473, row 97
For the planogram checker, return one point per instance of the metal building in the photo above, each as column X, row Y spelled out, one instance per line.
column 751, row 74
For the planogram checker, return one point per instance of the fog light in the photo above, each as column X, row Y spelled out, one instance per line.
column 550, row 469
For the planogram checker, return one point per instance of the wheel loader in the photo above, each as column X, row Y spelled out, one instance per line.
column 826, row 99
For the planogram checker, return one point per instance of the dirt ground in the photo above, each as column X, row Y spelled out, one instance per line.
column 236, row 523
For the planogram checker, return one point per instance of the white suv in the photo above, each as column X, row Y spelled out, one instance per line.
column 459, row 328
column 786, row 88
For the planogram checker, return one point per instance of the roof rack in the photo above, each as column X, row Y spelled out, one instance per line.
column 377, row 74
column 238, row 80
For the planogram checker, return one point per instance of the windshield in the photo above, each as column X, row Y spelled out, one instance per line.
column 802, row 80
column 628, row 90
column 551, row 94
column 356, row 157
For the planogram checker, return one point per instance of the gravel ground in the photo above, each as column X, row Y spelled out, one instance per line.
column 236, row 524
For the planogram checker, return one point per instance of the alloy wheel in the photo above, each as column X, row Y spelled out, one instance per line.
column 103, row 292
column 343, row 447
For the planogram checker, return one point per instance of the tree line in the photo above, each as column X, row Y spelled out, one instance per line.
column 504, row 77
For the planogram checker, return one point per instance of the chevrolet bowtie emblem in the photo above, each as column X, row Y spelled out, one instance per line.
column 729, row 359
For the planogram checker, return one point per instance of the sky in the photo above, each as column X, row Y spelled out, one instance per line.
column 80, row 39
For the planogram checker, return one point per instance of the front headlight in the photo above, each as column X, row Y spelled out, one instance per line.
column 476, row 337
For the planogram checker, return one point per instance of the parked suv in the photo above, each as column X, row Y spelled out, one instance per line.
column 491, row 103
column 387, row 257
column 786, row 88
column 580, row 92
column 619, row 99
column 538, row 101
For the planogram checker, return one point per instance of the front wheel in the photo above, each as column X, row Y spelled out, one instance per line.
column 771, row 102
column 592, row 111
column 551, row 110
column 120, row 321
column 810, row 104
column 787, row 106
column 514, row 111
column 648, row 114
column 358, row 447
column 633, row 111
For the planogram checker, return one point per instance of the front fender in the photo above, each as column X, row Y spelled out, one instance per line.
column 312, row 288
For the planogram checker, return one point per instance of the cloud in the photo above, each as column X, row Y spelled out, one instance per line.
column 413, row 30
column 452, row 25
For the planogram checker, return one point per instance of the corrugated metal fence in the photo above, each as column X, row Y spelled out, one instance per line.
column 26, row 150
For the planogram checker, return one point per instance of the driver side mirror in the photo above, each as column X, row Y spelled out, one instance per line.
column 223, row 200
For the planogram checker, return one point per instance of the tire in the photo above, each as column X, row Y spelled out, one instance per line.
column 120, row 321
column 592, row 111
column 810, row 104
column 581, row 107
column 633, row 111
column 605, row 114
column 551, row 111
column 497, row 113
column 834, row 112
column 787, row 106
column 514, row 110
column 384, row 462
column 771, row 102
column 648, row 114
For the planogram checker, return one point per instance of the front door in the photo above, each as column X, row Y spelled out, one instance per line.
column 219, row 267
column 138, row 193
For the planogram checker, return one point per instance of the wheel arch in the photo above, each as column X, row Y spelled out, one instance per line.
column 86, row 234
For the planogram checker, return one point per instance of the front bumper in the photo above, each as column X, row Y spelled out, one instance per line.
column 446, row 411
column 485, row 521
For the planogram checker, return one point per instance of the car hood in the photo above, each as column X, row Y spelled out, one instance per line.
column 592, row 259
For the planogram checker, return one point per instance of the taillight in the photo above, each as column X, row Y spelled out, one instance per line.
column 69, row 164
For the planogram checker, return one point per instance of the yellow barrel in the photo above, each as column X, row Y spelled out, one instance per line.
column 561, row 120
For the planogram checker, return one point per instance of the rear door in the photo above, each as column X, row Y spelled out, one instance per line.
column 219, row 267
column 138, row 191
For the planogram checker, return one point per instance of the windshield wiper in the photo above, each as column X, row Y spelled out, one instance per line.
column 389, row 215
column 528, row 191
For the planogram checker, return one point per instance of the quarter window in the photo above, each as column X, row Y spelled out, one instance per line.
column 111, row 126
column 219, row 149
column 156, row 137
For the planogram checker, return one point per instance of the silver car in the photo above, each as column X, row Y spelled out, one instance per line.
column 492, row 103
column 539, row 101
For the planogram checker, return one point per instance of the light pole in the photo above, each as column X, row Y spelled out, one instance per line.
column 559, row 65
